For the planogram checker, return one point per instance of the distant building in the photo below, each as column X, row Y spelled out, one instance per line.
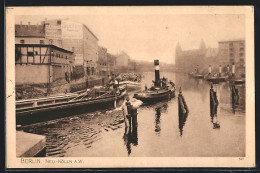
column 46, row 66
column 122, row 61
column 102, row 64
column 212, row 52
column 232, row 51
column 187, row 60
column 75, row 37
column 111, row 62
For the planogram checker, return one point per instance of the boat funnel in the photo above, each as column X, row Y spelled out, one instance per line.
column 157, row 73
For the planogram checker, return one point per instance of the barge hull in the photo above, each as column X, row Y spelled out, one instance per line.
column 59, row 106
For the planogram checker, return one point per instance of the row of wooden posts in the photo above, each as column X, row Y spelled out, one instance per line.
column 131, row 118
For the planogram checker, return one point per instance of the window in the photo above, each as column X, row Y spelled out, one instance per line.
column 58, row 22
column 241, row 59
column 30, row 53
column 241, row 54
column 241, row 49
column 231, row 49
column 241, row 44
column 41, row 41
column 22, row 41
column 230, row 44
column 36, row 52
column 231, row 55
column 66, row 57
column 56, row 55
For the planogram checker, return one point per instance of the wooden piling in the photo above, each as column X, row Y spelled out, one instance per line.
column 182, row 103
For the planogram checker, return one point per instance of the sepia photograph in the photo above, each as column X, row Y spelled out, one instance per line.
column 130, row 86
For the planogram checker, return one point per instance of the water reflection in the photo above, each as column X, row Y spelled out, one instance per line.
column 234, row 98
column 157, row 120
column 158, row 111
column 130, row 137
column 214, row 107
column 131, row 131
column 182, row 120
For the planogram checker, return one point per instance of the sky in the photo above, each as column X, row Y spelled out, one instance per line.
column 148, row 37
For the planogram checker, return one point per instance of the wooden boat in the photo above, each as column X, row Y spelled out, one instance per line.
column 239, row 81
column 88, row 98
column 160, row 90
column 198, row 76
column 131, row 85
column 216, row 79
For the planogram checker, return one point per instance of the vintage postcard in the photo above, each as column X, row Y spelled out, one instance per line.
column 130, row 86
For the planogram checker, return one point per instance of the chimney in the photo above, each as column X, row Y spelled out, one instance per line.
column 157, row 72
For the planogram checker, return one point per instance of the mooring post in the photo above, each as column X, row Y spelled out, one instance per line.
column 181, row 103
column 235, row 96
column 185, row 105
column 211, row 93
column 129, row 112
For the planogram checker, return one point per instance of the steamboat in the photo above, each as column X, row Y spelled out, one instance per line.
column 161, row 89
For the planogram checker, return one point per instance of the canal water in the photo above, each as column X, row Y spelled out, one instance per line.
column 161, row 131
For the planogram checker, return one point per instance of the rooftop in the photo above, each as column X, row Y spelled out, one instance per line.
column 29, row 31
column 43, row 45
column 90, row 32
column 228, row 41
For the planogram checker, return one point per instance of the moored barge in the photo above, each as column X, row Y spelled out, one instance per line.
column 89, row 98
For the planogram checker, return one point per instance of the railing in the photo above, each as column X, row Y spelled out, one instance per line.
column 44, row 101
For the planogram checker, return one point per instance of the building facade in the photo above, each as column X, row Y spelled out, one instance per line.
column 122, row 62
column 102, row 65
column 111, row 62
column 75, row 37
column 46, row 66
column 232, row 51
